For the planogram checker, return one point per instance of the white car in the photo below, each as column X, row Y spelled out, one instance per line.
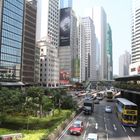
column 92, row 136
column 108, row 109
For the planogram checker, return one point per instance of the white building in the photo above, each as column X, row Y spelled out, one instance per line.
column 48, row 28
column 124, row 62
column 81, row 49
column 135, row 41
column 100, row 22
column 48, row 20
column 134, row 68
column 90, row 49
column 49, row 64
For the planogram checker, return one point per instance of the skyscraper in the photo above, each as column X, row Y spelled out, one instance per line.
column 48, row 21
column 90, row 49
column 68, row 47
column 11, row 35
column 29, row 43
column 65, row 3
column 135, row 39
column 48, row 41
column 124, row 62
column 109, row 53
column 81, row 49
column 100, row 22
column 135, row 31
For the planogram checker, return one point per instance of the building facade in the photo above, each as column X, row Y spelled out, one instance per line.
column 90, row 49
column 100, row 22
column 68, row 45
column 29, row 43
column 49, row 64
column 81, row 49
column 135, row 41
column 48, row 41
column 65, row 3
column 11, row 39
column 48, row 21
column 109, row 53
column 124, row 62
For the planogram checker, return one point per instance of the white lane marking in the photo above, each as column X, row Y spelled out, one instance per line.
column 96, row 126
column 129, row 137
column 84, row 135
column 105, row 127
column 133, row 129
column 124, row 128
column 107, row 136
column 65, row 130
column 104, row 118
column 115, row 128
column 87, row 124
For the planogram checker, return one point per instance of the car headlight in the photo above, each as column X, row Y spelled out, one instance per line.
column 78, row 131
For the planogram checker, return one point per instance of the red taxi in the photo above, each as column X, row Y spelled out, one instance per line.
column 76, row 128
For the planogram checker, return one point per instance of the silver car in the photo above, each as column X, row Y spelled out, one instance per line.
column 108, row 109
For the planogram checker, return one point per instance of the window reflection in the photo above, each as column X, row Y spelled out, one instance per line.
column 11, row 44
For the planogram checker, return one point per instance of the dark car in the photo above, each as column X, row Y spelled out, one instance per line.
column 96, row 101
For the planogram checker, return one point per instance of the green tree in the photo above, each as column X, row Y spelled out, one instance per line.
column 34, row 99
column 10, row 101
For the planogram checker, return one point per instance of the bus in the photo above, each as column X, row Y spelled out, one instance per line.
column 100, row 95
column 109, row 95
column 127, row 112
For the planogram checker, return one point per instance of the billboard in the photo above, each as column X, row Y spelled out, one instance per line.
column 65, row 20
column 64, row 77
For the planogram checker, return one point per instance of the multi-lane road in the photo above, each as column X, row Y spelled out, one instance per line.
column 106, row 125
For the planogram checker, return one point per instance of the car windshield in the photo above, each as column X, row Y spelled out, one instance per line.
column 108, row 107
column 76, row 125
column 90, row 139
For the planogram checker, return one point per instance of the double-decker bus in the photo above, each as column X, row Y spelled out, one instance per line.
column 109, row 95
column 127, row 112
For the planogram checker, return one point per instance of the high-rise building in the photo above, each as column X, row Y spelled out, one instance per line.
column 11, row 39
column 81, row 49
column 135, row 39
column 90, row 49
column 135, row 31
column 109, row 53
column 48, row 21
column 49, row 64
column 65, row 3
column 124, row 62
column 29, row 43
column 48, row 40
column 100, row 22
column 68, row 45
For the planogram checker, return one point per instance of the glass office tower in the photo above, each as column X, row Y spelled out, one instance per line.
column 11, row 25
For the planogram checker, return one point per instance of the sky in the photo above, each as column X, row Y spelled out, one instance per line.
column 118, row 16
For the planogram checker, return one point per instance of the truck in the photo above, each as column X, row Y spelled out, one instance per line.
column 88, row 107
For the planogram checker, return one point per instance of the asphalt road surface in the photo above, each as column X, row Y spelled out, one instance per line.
column 106, row 125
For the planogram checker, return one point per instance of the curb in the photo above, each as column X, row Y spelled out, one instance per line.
column 56, row 133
